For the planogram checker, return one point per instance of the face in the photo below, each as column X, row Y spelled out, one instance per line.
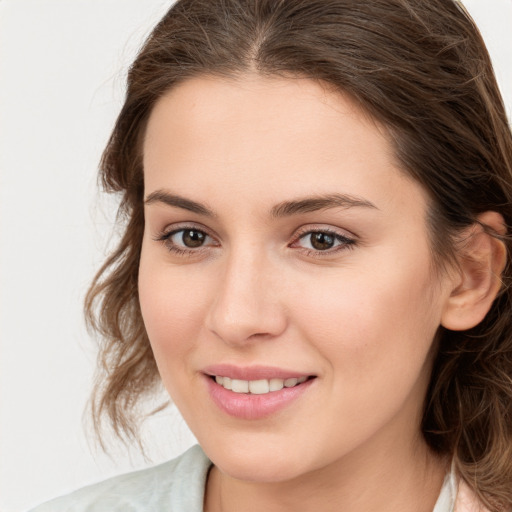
column 286, row 254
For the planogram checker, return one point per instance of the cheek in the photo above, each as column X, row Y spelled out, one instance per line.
column 172, row 306
column 370, row 326
column 168, row 311
column 375, row 342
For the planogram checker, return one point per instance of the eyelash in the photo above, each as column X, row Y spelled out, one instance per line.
column 165, row 238
column 345, row 242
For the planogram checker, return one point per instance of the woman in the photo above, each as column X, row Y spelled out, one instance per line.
column 316, row 260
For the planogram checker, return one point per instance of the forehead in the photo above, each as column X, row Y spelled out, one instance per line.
column 263, row 135
column 205, row 94
column 298, row 105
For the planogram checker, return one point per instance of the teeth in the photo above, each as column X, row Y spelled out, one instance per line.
column 240, row 386
column 276, row 384
column 257, row 387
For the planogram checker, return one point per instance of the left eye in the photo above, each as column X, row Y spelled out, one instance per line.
column 322, row 240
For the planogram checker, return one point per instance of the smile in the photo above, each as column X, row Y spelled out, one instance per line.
column 258, row 387
column 257, row 392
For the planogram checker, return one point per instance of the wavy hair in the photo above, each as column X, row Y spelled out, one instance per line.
column 418, row 67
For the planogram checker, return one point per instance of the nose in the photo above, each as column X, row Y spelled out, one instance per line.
column 247, row 303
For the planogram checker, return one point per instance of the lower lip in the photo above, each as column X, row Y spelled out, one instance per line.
column 252, row 407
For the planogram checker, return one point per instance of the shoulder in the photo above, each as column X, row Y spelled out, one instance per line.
column 177, row 485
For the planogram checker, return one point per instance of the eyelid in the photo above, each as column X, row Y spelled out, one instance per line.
column 164, row 236
column 324, row 228
column 347, row 239
column 171, row 229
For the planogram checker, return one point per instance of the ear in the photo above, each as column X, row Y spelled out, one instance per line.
column 481, row 259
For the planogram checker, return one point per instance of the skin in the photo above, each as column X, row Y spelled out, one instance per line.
column 361, row 316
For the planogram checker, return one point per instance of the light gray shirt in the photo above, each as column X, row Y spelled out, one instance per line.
column 175, row 486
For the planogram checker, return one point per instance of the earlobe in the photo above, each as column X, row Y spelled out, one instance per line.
column 481, row 259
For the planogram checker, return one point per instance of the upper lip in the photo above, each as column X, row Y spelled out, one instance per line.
column 252, row 372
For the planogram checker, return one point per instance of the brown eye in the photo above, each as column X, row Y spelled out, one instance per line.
column 322, row 241
column 192, row 238
column 187, row 241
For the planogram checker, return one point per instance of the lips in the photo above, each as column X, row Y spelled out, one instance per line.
column 252, row 372
column 258, row 387
column 254, row 392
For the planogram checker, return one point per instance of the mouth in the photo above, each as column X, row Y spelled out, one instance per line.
column 256, row 392
column 259, row 386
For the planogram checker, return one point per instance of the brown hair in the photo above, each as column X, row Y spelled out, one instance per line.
column 420, row 68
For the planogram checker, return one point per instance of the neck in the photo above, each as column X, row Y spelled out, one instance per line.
column 402, row 479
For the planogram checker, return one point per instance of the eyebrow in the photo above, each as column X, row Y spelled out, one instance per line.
column 161, row 196
column 315, row 203
column 284, row 209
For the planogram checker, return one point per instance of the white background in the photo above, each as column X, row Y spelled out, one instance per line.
column 62, row 71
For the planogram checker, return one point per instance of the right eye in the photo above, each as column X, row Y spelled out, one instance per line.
column 189, row 238
column 186, row 240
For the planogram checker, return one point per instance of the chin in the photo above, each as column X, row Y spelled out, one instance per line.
column 262, row 471
column 253, row 462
